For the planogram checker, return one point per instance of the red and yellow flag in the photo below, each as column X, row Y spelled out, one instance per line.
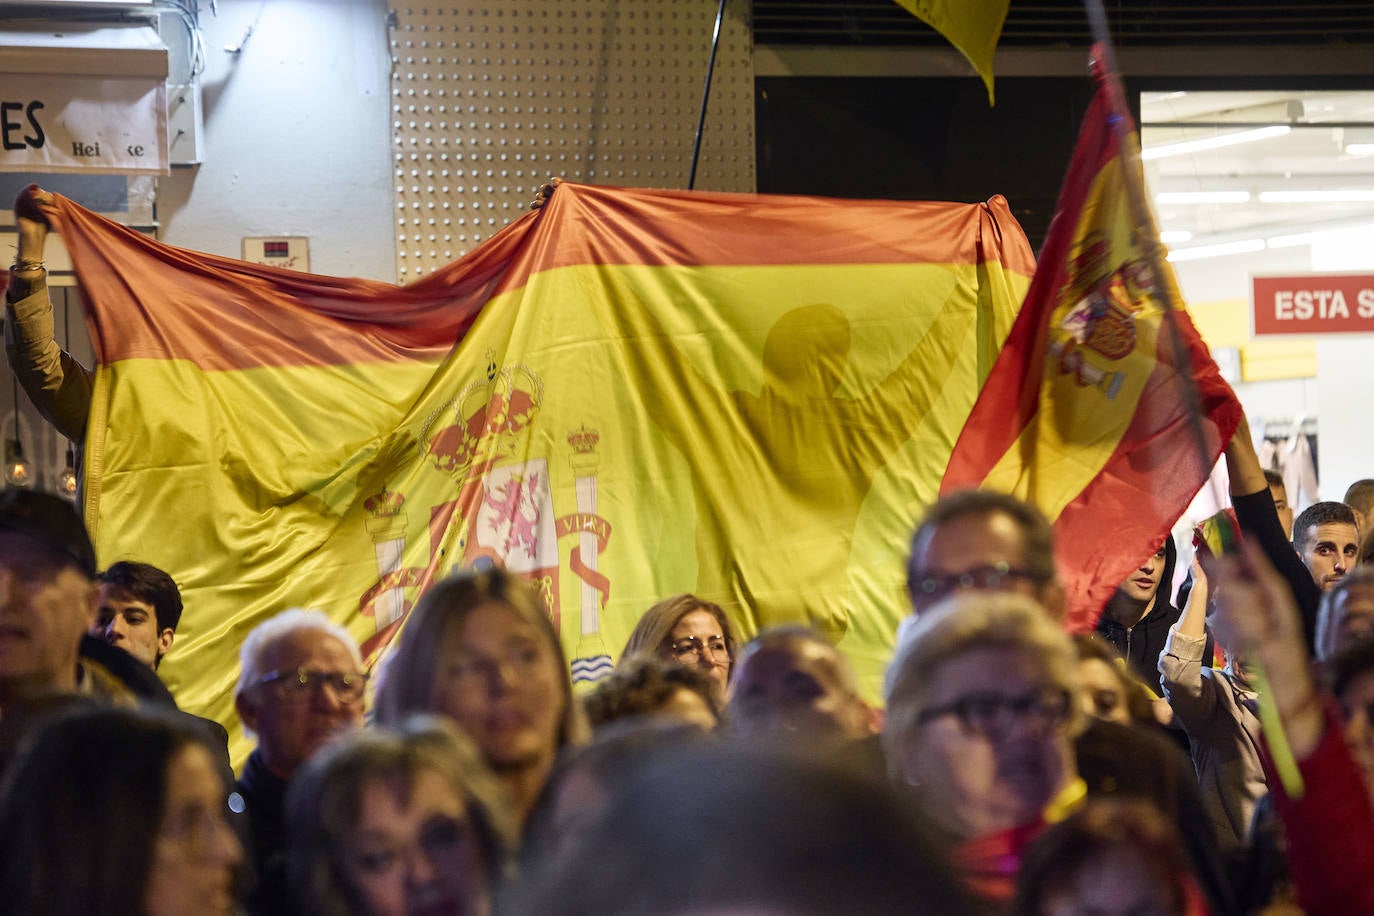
column 1086, row 413
column 624, row 395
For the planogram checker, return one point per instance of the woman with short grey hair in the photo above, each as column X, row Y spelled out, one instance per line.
column 981, row 714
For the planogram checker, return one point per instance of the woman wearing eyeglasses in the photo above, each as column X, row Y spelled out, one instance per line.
column 690, row 631
column 389, row 822
column 981, row 713
column 480, row 649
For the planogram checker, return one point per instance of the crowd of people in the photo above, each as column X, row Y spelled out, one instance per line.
column 1206, row 750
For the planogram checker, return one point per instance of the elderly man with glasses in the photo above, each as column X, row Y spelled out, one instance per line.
column 301, row 684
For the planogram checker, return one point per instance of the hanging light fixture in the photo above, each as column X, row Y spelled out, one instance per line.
column 19, row 471
column 66, row 481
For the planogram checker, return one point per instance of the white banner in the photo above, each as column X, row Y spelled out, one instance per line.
column 83, row 124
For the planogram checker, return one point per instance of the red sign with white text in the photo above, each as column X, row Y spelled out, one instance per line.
column 1313, row 304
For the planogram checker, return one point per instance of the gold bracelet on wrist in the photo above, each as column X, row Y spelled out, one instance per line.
column 27, row 264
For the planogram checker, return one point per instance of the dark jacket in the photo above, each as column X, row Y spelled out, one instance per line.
column 264, row 799
column 1259, row 520
column 1141, row 644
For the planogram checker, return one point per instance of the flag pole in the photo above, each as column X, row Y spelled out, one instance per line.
column 1143, row 215
column 706, row 95
column 1105, row 68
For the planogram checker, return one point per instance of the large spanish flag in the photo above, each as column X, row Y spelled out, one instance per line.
column 1088, row 413
column 623, row 395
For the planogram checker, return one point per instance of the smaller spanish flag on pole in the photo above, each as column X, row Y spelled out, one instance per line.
column 972, row 26
column 1104, row 408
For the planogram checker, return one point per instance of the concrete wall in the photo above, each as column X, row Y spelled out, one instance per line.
column 297, row 138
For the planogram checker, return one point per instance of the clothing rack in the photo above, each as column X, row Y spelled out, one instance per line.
column 1277, row 428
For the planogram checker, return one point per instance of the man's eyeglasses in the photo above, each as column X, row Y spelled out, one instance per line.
column 299, row 684
column 992, row 714
column 996, row 577
column 691, row 649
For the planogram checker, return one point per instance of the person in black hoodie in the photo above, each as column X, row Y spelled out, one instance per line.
column 1137, row 618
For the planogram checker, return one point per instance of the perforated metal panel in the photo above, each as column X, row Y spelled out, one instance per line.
column 493, row 97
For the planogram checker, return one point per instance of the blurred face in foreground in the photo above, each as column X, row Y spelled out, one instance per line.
column 990, row 748
column 414, row 851
column 1100, row 691
column 982, row 551
column 196, row 851
column 1358, row 702
column 1353, row 616
column 1117, row 881
column 797, row 687
column 503, row 684
column 46, row 603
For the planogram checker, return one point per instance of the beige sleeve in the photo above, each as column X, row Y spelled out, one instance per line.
column 58, row 385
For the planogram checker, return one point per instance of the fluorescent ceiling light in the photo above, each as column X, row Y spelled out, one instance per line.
column 1290, row 241
column 1334, row 196
column 1164, row 198
column 1308, row 238
column 1216, row 251
column 1217, row 142
column 1174, row 236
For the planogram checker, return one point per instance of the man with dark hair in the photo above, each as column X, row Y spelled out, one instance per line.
column 139, row 609
column 995, row 542
column 1139, row 614
column 1360, row 498
column 1278, row 490
column 1327, row 537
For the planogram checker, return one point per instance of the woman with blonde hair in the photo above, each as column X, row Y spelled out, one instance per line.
column 479, row 648
column 690, row 631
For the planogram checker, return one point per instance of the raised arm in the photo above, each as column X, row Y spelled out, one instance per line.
column 58, row 385
column 1180, row 664
column 1243, row 464
column 1330, row 827
column 1259, row 521
column 1257, row 617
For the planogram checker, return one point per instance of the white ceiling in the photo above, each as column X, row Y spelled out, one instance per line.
column 1311, row 156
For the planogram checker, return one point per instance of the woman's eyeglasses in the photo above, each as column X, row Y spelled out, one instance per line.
column 690, row 649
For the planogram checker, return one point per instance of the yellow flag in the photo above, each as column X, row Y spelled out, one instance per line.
column 972, row 26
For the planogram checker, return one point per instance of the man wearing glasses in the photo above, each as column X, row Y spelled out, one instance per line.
column 301, row 683
column 983, row 540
